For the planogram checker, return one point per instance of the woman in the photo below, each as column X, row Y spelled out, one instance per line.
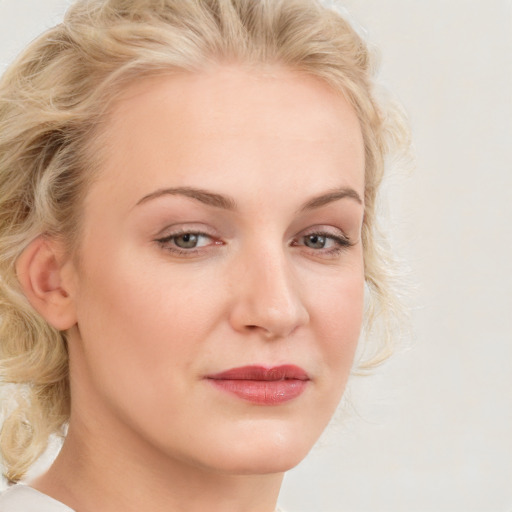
column 187, row 227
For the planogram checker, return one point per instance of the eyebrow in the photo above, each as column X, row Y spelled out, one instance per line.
column 205, row 197
column 329, row 197
column 227, row 203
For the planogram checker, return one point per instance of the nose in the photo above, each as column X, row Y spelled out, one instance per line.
column 266, row 300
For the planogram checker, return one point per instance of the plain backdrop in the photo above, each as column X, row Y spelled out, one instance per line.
column 432, row 429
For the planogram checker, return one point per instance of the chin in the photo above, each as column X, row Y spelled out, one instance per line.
column 264, row 451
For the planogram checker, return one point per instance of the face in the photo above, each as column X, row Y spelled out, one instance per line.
column 219, row 287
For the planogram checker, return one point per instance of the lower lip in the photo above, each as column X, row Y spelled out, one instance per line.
column 263, row 392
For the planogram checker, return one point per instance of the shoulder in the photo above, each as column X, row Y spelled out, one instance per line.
column 22, row 498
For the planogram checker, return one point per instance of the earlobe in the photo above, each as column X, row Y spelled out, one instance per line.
column 40, row 272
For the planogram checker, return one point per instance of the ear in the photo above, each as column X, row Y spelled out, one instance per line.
column 46, row 281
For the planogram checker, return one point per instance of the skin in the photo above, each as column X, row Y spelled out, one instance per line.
column 146, row 324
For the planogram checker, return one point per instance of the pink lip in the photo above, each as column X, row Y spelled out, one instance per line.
column 263, row 386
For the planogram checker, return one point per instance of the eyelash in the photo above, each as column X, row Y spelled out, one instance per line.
column 342, row 243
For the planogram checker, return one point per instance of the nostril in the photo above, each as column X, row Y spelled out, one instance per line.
column 265, row 332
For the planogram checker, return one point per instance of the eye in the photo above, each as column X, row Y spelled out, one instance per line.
column 316, row 241
column 324, row 242
column 189, row 240
column 186, row 242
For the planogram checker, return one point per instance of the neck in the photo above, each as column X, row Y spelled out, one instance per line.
column 95, row 473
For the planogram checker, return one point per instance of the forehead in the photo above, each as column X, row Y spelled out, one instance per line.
column 235, row 96
column 197, row 126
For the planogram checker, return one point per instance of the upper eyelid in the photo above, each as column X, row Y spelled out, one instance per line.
column 332, row 227
column 186, row 232
column 179, row 229
column 325, row 230
column 170, row 231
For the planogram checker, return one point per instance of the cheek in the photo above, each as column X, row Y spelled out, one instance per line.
column 336, row 315
column 139, row 320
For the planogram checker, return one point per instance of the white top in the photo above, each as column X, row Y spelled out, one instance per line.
column 22, row 498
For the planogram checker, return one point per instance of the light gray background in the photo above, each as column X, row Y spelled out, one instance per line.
column 432, row 429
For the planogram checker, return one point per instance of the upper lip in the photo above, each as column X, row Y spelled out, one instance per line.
column 282, row 372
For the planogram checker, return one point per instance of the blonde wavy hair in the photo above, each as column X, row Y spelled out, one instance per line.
column 53, row 101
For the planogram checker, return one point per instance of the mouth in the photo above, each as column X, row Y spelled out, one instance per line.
column 262, row 386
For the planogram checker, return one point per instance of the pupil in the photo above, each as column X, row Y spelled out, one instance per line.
column 316, row 241
column 186, row 241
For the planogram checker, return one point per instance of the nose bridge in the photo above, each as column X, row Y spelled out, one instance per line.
column 273, row 282
column 269, row 298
